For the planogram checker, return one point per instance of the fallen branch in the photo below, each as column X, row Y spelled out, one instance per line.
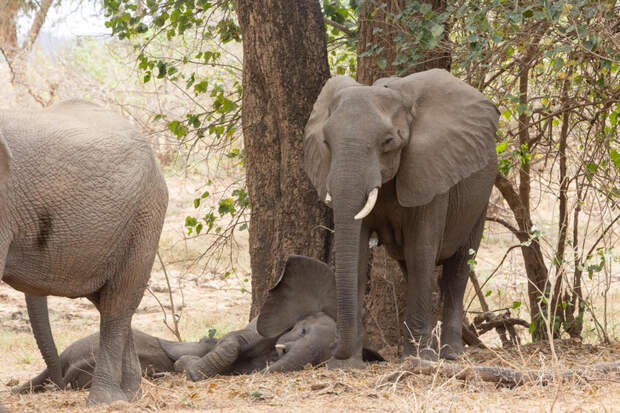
column 505, row 323
column 500, row 375
column 502, row 323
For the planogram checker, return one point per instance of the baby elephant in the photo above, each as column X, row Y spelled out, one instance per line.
column 77, row 362
column 304, row 297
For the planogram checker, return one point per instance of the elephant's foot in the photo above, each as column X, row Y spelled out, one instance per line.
column 131, row 385
column 424, row 348
column 133, row 394
column 106, row 395
column 451, row 346
column 191, row 367
column 350, row 363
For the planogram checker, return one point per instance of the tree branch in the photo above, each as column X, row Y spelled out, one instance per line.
column 339, row 26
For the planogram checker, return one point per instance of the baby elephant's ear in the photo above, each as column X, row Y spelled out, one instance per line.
column 306, row 286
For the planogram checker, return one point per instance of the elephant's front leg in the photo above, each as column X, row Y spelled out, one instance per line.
column 418, row 326
column 422, row 240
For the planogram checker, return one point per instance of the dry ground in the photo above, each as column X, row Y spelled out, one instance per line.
column 207, row 299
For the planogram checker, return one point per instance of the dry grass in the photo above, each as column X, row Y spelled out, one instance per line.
column 318, row 390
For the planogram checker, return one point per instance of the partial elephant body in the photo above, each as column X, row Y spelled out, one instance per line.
column 77, row 362
column 81, row 211
column 296, row 327
column 412, row 159
column 304, row 297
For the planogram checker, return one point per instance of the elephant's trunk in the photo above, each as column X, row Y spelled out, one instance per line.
column 40, row 322
column 349, row 198
column 291, row 361
column 295, row 357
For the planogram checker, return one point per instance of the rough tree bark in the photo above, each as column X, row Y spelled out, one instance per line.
column 385, row 300
column 284, row 67
column 15, row 54
column 8, row 27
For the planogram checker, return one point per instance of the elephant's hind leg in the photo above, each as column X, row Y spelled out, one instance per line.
column 452, row 283
column 117, row 372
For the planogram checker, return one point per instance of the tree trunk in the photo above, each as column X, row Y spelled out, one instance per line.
column 8, row 27
column 284, row 68
column 385, row 300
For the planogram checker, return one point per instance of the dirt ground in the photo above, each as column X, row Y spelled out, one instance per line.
column 208, row 299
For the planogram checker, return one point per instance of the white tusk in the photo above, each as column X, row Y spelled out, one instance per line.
column 280, row 346
column 328, row 198
column 370, row 204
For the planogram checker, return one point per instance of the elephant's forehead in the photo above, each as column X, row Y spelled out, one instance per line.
column 366, row 102
column 368, row 94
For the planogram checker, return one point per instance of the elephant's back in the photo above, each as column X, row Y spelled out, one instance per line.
column 77, row 180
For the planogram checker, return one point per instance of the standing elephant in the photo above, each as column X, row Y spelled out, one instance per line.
column 305, row 295
column 412, row 159
column 82, row 204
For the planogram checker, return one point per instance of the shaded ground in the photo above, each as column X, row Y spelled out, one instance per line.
column 318, row 390
column 208, row 300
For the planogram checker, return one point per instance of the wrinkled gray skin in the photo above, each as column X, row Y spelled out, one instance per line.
column 311, row 340
column 77, row 362
column 305, row 290
column 304, row 302
column 39, row 320
column 427, row 142
column 82, row 204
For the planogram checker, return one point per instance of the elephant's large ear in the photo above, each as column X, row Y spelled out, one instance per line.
column 316, row 152
column 452, row 134
column 306, row 286
column 5, row 160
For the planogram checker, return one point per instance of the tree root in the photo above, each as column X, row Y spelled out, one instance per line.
column 502, row 376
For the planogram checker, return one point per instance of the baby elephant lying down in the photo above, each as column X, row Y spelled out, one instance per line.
column 304, row 299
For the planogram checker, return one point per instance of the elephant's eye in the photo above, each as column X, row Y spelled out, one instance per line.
column 388, row 141
column 303, row 331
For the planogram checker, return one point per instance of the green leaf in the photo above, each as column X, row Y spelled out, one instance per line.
column 516, row 304
column 615, row 157
column 382, row 63
column 437, row 30
column 196, row 202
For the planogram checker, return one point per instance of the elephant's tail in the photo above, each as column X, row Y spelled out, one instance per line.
column 35, row 385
